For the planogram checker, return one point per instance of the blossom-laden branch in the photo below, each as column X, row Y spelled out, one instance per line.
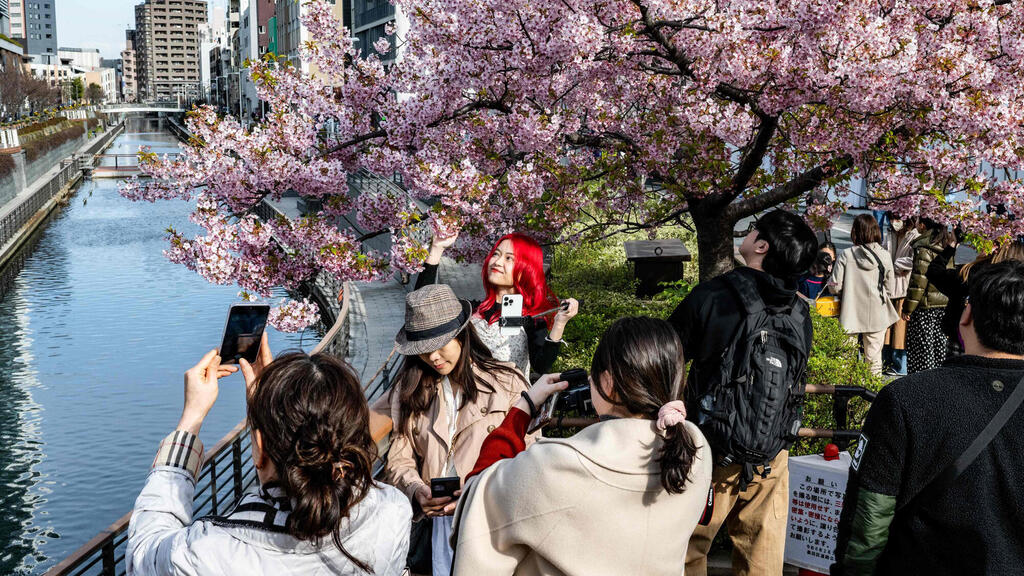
column 519, row 115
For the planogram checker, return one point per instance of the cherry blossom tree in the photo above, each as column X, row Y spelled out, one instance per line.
column 577, row 119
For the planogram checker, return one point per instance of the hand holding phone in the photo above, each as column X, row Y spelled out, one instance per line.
column 243, row 332
column 511, row 307
column 444, row 487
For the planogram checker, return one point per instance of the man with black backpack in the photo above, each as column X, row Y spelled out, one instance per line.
column 935, row 485
column 748, row 334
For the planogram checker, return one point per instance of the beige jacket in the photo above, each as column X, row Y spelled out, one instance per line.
column 864, row 308
column 420, row 453
column 590, row 504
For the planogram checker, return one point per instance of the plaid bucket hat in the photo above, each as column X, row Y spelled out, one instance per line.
column 433, row 317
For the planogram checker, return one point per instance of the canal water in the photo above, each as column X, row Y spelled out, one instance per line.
column 96, row 331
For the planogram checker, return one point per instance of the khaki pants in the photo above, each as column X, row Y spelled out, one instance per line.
column 756, row 519
column 872, row 343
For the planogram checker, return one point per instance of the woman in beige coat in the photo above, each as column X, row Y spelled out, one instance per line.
column 450, row 394
column 620, row 497
column 864, row 279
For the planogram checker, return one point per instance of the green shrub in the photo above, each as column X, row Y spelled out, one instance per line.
column 598, row 275
column 38, row 147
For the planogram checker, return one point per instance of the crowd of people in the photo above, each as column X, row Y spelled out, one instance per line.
column 471, row 485
column 899, row 292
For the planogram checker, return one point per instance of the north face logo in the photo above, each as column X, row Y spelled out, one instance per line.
column 774, row 361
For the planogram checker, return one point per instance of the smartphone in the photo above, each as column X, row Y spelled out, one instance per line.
column 444, row 487
column 545, row 415
column 511, row 307
column 243, row 332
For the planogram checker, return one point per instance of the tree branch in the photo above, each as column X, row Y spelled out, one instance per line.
column 754, row 156
column 805, row 182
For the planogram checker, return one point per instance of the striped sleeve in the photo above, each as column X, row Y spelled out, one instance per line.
column 183, row 450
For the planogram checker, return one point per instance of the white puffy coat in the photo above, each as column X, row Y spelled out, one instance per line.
column 164, row 540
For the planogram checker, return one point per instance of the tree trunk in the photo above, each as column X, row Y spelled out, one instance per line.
column 714, row 240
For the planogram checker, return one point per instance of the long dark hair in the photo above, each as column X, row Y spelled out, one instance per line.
column 417, row 381
column 314, row 422
column 645, row 360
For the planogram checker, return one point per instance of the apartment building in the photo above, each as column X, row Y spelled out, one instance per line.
column 167, row 48
column 88, row 58
column 129, row 72
column 5, row 18
column 34, row 24
column 291, row 34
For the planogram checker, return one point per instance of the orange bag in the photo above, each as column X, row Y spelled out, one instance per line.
column 827, row 306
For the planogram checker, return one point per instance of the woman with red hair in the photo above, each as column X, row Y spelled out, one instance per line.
column 515, row 265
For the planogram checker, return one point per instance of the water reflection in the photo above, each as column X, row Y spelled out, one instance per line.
column 95, row 332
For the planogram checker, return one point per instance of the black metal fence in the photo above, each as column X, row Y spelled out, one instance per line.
column 13, row 220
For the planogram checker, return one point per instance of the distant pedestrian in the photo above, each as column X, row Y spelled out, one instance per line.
column 748, row 333
column 815, row 283
column 935, row 485
column 923, row 309
column 864, row 280
column 901, row 249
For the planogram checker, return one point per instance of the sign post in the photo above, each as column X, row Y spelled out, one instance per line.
column 817, row 488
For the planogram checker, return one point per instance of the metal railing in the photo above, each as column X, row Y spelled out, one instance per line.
column 15, row 217
column 226, row 475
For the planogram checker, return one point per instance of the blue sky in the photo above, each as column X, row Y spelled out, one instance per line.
column 99, row 23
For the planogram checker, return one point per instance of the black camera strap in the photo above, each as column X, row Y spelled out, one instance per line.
column 945, row 479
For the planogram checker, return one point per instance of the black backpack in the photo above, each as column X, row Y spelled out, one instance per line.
column 754, row 408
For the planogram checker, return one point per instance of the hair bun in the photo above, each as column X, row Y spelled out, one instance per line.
column 315, row 447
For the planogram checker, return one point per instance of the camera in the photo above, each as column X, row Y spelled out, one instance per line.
column 574, row 400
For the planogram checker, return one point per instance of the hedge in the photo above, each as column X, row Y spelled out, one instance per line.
column 38, row 147
column 598, row 275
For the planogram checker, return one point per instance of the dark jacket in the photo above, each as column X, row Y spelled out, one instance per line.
column 948, row 281
column 921, row 293
column 915, row 428
column 709, row 317
column 543, row 352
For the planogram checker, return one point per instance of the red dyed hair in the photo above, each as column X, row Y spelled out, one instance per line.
column 527, row 279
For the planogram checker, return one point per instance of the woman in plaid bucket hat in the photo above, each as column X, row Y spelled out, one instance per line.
column 449, row 395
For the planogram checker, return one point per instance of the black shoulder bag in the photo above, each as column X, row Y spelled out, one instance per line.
column 945, row 479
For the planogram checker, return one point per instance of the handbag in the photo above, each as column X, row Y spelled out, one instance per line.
column 419, row 559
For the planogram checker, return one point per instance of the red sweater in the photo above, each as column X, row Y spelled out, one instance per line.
column 505, row 441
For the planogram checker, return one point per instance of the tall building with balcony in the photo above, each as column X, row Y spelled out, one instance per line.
column 167, row 48
column 34, row 24
column 129, row 71
column 291, row 34
column 5, row 17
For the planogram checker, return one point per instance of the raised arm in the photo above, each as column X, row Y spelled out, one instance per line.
column 158, row 533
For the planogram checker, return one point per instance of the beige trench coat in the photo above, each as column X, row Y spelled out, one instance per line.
column 590, row 504
column 864, row 308
column 419, row 453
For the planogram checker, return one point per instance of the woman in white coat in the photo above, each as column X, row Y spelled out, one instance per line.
column 620, row 497
column 317, row 509
column 864, row 279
